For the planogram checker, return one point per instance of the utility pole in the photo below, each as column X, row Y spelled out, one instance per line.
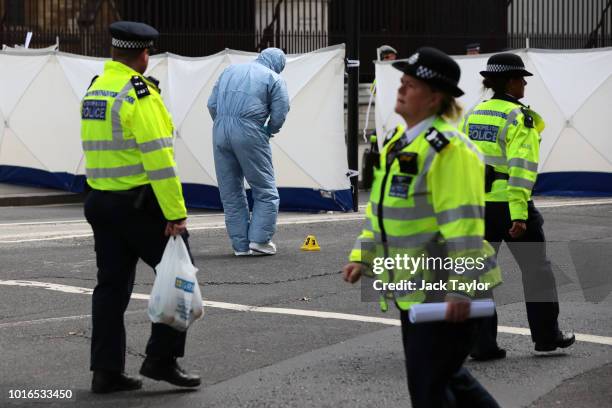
column 352, row 13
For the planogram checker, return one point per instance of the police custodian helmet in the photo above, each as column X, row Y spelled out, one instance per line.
column 505, row 65
column 132, row 35
column 434, row 67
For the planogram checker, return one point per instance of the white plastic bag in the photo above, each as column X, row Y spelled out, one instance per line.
column 175, row 298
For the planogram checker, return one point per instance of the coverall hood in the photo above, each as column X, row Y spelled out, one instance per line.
column 272, row 58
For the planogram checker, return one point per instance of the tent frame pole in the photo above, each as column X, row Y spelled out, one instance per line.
column 352, row 28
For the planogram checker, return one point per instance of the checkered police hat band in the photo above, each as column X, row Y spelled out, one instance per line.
column 428, row 73
column 131, row 43
column 503, row 68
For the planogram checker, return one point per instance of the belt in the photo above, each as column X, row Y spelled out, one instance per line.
column 491, row 175
column 133, row 192
column 500, row 176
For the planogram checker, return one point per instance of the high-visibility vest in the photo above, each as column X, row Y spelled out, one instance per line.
column 508, row 134
column 427, row 194
column 127, row 137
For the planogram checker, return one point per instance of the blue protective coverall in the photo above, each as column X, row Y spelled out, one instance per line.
column 243, row 99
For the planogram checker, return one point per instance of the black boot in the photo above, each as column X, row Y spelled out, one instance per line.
column 109, row 381
column 492, row 354
column 168, row 370
column 561, row 341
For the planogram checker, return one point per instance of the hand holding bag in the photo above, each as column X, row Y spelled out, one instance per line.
column 175, row 298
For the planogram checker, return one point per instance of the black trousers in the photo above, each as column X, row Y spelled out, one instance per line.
column 539, row 284
column 435, row 353
column 122, row 235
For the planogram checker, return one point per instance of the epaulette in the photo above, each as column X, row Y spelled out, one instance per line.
column 154, row 81
column 92, row 81
column 140, row 87
column 527, row 118
column 436, row 139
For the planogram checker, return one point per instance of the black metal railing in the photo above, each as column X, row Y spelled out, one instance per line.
column 560, row 23
column 202, row 27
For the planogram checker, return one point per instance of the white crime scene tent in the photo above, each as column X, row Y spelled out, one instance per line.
column 570, row 89
column 40, row 123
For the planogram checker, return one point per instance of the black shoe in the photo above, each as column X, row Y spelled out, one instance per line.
column 562, row 341
column 107, row 381
column 493, row 354
column 169, row 371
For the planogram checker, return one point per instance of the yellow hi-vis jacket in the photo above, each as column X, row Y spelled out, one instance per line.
column 427, row 194
column 126, row 133
column 508, row 134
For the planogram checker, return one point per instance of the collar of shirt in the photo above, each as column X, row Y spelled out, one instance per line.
column 417, row 129
column 119, row 66
column 507, row 98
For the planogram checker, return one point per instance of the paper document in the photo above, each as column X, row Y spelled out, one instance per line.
column 434, row 312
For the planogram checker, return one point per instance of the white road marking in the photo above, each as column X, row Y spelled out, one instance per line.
column 54, row 319
column 259, row 309
column 571, row 203
column 82, row 221
column 203, row 222
column 588, row 338
column 544, row 203
column 23, row 224
column 310, row 219
column 19, row 241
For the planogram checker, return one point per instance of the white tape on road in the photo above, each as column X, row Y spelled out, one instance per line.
column 588, row 338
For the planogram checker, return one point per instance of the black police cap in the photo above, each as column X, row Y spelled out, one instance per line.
column 133, row 35
column 506, row 65
column 434, row 67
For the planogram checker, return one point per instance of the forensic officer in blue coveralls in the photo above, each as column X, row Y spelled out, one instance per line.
column 248, row 105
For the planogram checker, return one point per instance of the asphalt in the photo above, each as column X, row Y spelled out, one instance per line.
column 252, row 359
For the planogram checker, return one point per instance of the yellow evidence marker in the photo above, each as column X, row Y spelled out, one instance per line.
column 311, row 244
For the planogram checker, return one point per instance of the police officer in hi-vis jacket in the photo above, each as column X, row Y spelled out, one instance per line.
column 508, row 134
column 427, row 199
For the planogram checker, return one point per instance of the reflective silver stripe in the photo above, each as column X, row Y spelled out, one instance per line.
column 156, row 144
column 102, row 145
column 520, row 182
column 495, row 161
column 370, row 224
column 110, row 94
column 113, row 172
column 466, row 120
column 115, row 118
column 359, row 242
column 502, row 136
column 420, row 184
column 465, row 211
column 491, row 113
column 161, row 174
column 489, row 264
column 407, row 242
column 463, row 243
column 407, row 213
column 524, row 164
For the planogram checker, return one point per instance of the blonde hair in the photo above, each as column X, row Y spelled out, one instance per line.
column 450, row 109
